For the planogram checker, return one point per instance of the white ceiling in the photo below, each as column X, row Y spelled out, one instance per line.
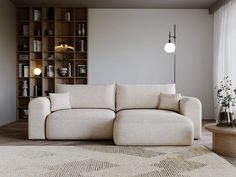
column 191, row 4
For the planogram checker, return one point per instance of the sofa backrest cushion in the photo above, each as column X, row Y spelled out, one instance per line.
column 89, row 96
column 140, row 96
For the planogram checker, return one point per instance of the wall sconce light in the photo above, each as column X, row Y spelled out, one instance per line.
column 170, row 47
column 37, row 72
column 64, row 47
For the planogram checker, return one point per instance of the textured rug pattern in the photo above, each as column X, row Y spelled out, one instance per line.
column 112, row 161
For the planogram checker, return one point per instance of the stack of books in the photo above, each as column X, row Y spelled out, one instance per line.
column 37, row 15
column 23, row 70
column 37, row 46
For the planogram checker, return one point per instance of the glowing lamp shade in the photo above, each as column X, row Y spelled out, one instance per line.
column 37, row 71
column 169, row 47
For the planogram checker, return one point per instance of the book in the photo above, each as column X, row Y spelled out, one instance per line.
column 25, row 71
column 37, row 46
column 20, row 74
column 25, row 30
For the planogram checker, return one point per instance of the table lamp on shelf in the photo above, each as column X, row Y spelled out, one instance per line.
column 37, row 72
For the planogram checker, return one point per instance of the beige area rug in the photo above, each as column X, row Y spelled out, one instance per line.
column 112, row 161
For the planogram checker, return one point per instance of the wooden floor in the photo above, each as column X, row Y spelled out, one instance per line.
column 15, row 134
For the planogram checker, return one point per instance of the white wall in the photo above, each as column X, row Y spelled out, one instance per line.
column 126, row 46
column 7, row 62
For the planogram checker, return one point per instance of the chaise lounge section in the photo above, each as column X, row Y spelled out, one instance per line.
column 139, row 122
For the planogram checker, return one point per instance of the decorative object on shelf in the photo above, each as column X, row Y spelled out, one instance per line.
column 23, row 57
column 25, row 113
column 37, row 15
column 79, row 30
column 37, row 72
column 38, row 32
column 51, row 57
column 170, row 47
column 82, row 46
column 63, row 71
column 25, row 87
column 63, row 47
column 226, row 97
column 50, row 32
column 83, row 30
column 25, row 46
column 37, row 45
column 49, row 71
column 81, row 70
column 69, row 70
column 67, row 16
column 25, row 30
column 37, row 88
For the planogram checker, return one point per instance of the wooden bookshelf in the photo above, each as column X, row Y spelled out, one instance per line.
column 39, row 31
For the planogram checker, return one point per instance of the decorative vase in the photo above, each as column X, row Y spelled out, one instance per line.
column 79, row 30
column 83, row 30
column 225, row 117
column 82, row 45
column 67, row 16
column 69, row 70
column 25, row 87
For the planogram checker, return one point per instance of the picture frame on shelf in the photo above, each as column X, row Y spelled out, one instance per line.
column 81, row 70
column 23, row 57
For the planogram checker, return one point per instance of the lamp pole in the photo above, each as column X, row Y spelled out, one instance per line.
column 174, row 38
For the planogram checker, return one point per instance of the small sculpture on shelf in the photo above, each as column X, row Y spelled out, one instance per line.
column 63, row 71
column 25, row 88
column 51, row 57
column 67, row 16
column 25, row 113
column 69, row 70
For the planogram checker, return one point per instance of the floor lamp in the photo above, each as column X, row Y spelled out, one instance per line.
column 170, row 47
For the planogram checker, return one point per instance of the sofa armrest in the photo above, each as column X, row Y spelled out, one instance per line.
column 39, row 109
column 192, row 108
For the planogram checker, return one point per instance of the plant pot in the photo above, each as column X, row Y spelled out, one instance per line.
column 225, row 117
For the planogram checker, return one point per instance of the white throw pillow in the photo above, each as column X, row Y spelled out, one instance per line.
column 169, row 102
column 60, row 101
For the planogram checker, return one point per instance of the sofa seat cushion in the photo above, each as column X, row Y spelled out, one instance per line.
column 80, row 124
column 152, row 127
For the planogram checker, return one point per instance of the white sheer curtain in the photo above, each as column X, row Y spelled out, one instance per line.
column 224, row 63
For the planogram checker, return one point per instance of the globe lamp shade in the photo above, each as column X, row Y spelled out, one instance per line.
column 169, row 47
column 37, row 71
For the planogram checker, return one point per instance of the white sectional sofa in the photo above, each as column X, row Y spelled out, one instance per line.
column 128, row 114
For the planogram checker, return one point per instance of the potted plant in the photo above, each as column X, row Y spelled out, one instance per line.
column 226, row 97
